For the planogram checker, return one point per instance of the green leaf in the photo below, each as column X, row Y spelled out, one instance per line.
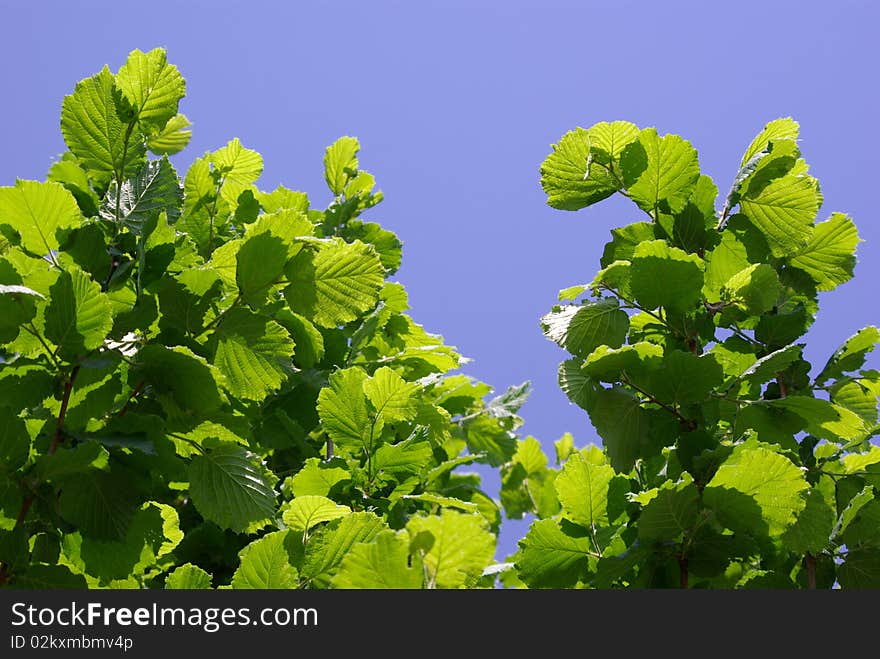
column 664, row 276
column 851, row 355
column 863, row 529
column 186, row 299
column 488, row 435
column 409, row 456
column 342, row 408
column 551, row 558
column 462, row 548
column 783, row 210
column 386, row 243
column 37, row 211
column 283, row 198
column 15, row 442
column 570, row 178
column 154, row 533
column 94, row 132
column 75, row 461
column 78, row 317
column 830, row 255
column 860, row 570
column 660, row 173
column 99, row 503
column 824, row 419
column 757, row 491
column 768, row 366
column 443, row 502
column 182, row 376
column 729, row 257
column 188, row 577
column 309, row 342
column 306, row 511
column 381, row 564
column 582, row 487
column 329, row 546
column 253, row 352
column 392, row 398
column 507, row 404
column 67, row 172
column 266, row 564
column 756, row 288
column 260, row 263
column 335, row 284
column 686, row 378
column 238, row 168
column 232, row 488
column 51, row 577
column 152, row 86
column 582, row 329
column 154, row 190
column 624, row 241
column 317, row 478
column 784, row 128
column 622, row 424
column 672, row 512
column 607, row 140
column 608, row 364
column 173, row 138
column 812, row 531
column 340, row 163
column 859, row 396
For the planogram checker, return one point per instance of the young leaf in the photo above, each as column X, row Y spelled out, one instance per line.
column 660, row 173
column 306, row 511
column 461, row 549
column 382, row 563
column 340, row 163
column 106, row 146
column 37, row 211
column 829, row 257
column 329, row 546
column 188, row 577
column 783, row 210
column 152, row 86
column 266, row 564
column 570, row 178
column 173, row 138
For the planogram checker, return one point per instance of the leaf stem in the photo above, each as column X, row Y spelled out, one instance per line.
column 30, row 329
column 690, row 423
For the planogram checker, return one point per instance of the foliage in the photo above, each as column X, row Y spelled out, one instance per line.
column 204, row 384
column 725, row 463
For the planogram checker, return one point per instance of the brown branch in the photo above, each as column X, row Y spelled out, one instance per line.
column 133, row 395
column 683, row 571
column 810, row 565
column 57, row 438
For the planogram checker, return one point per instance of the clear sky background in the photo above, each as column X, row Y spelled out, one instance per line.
column 456, row 105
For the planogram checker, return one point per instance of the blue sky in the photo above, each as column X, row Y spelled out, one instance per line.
column 456, row 105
